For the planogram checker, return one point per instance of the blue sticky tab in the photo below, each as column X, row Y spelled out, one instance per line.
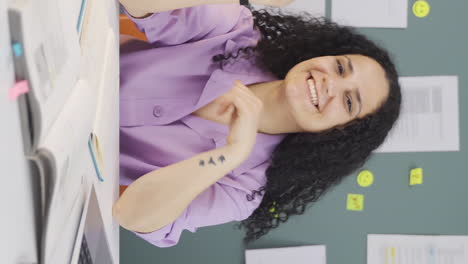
column 93, row 157
column 17, row 49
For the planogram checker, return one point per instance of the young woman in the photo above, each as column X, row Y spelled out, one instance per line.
column 232, row 114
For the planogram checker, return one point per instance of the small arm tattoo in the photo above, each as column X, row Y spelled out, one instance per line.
column 211, row 161
column 221, row 159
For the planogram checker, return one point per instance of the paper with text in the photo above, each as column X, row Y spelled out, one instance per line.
column 429, row 120
column 371, row 13
column 296, row 255
column 416, row 249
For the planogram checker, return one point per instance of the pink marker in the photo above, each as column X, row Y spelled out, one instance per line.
column 18, row 89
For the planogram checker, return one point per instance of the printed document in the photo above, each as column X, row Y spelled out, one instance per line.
column 429, row 120
column 416, row 249
column 296, row 255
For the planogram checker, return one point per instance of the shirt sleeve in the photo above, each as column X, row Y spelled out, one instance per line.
column 191, row 24
column 223, row 202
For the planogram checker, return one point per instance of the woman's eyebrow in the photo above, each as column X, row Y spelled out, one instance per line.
column 350, row 64
column 358, row 97
column 358, row 94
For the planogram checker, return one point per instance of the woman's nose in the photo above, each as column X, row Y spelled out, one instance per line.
column 326, row 91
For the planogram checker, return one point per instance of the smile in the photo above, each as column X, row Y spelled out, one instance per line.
column 313, row 92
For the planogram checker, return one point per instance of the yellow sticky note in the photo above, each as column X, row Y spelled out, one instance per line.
column 421, row 8
column 416, row 176
column 365, row 178
column 355, row 202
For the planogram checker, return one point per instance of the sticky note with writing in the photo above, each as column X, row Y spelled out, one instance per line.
column 355, row 202
column 421, row 8
column 365, row 178
column 416, row 176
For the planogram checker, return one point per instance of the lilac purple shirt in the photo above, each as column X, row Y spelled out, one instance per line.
column 163, row 82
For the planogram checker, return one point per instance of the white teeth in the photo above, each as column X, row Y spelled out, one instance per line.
column 313, row 92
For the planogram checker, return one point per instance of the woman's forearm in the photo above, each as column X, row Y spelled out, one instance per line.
column 140, row 8
column 159, row 197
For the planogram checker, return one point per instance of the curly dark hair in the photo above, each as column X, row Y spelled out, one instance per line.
column 312, row 162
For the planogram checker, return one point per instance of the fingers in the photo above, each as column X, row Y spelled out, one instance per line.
column 247, row 94
column 226, row 109
column 246, row 100
column 287, row 2
column 223, row 106
column 274, row 3
column 246, row 112
column 279, row 3
column 239, row 97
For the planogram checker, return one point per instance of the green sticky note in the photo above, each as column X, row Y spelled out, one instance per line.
column 416, row 176
column 355, row 202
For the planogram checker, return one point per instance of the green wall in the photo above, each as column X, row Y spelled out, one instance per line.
column 435, row 45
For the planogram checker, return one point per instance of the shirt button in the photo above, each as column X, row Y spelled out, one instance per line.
column 157, row 111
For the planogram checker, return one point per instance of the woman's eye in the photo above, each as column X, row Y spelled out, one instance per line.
column 340, row 67
column 349, row 103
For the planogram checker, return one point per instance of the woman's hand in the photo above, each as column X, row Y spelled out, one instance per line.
column 245, row 109
column 275, row 3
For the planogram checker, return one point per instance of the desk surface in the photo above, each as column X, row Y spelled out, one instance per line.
column 435, row 45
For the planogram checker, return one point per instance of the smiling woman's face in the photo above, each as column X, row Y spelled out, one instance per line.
column 331, row 91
